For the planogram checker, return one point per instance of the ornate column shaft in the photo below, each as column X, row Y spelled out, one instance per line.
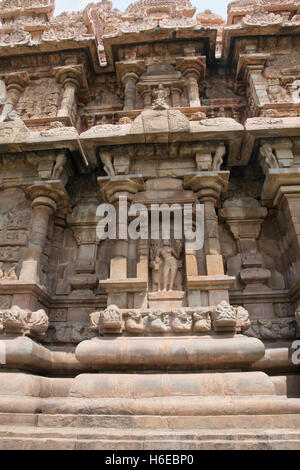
column 250, row 69
column 113, row 189
column 45, row 197
column 43, row 208
column 176, row 93
column 193, row 69
column 72, row 77
column 129, row 80
column 208, row 185
column 192, row 87
column 210, row 199
column 70, row 88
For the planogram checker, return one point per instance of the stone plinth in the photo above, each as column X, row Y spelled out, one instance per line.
column 168, row 299
column 121, row 353
column 171, row 385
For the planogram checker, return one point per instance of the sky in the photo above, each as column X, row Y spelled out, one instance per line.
column 217, row 6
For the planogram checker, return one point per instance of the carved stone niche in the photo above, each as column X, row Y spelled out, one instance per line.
column 21, row 322
column 165, row 74
column 166, row 266
column 244, row 216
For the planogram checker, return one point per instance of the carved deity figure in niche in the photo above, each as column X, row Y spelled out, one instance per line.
column 160, row 96
column 165, row 267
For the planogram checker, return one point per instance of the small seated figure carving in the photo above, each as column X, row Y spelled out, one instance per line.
column 107, row 160
column 202, row 321
column 111, row 318
column 157, row 325
column 160, row 98
column 61, row 160
column 222, row 113
column 181, row 321
column 135, row 323
column 10, row 275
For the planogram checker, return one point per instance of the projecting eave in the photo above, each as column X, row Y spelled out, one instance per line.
column 258, row 128
column 225, row 129
column 18, row 138
column 207, row 34
column 47, row 47
column 233, row 33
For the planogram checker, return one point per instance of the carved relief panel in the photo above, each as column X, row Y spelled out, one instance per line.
column 41, row 99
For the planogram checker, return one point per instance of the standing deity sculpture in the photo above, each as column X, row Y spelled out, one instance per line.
column 165, row 266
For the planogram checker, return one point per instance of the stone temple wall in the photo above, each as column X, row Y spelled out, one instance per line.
column 154, row 105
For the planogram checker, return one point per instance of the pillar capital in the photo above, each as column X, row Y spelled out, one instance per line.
column 208, row 184
column 47, row 193
column 113, row 186
column 71, row 74
column 130, row 70
column 194, row 66
column 280, row 181
column 16, row 80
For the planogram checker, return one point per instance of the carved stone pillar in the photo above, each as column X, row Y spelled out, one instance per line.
column 244, row 216
column 193, row 70
column 119, row 190
column 129, row 81
column 281, row 190
column 145, row 92
column 72, row 77
column 250, row 69
column 128, row 74
column 15, row 84
column 192, row 86
column 208, row 185
column 57, row 240
column 45, row 198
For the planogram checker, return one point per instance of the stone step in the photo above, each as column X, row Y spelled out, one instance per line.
column 152, row 422
column 105, row 434
column 29, row 438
